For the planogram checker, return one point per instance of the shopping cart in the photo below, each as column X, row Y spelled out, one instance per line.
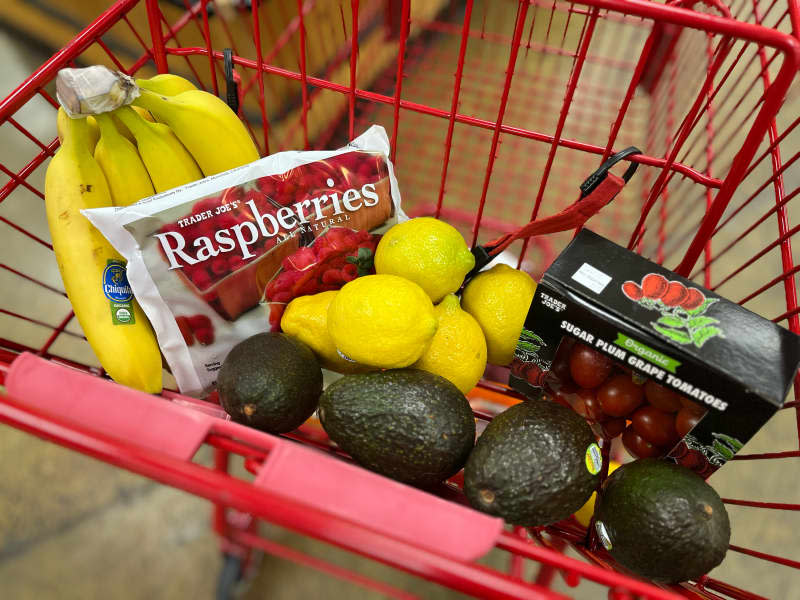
column 496, row 111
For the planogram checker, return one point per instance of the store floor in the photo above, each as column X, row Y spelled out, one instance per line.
column 74, row 528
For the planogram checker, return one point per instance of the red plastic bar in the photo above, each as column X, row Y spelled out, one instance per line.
column 467, row 577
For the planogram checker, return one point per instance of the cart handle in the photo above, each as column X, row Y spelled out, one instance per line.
column 600, row 188
column 90, row 413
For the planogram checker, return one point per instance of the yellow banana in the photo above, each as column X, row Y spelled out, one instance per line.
column 166, row 84
column 61, row 125
column 127, row 132
column 166, row 160
column 209, row 129
column 92, row 271
column 125, row 172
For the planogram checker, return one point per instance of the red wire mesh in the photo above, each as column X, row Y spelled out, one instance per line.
column 496, row 111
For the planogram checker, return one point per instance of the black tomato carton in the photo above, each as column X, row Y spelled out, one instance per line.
column 644, row 353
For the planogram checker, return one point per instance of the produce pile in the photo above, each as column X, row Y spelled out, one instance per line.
column 410, row 349
column 407, row 334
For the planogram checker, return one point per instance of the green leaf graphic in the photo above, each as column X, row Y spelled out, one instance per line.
column 526, row 334
column 722, row 450
column 701, row 336
column 732, row 442
column 673, row 334
column 671, row 321
column 701, row 322
column 527, row 346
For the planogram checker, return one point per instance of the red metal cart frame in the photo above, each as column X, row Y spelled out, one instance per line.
column 712, row 79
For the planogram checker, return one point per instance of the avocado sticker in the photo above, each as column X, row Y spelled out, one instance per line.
column 593, row 459
column 602, row 533
column 683, row 318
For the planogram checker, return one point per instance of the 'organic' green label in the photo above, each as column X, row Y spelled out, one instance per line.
column 647, row 353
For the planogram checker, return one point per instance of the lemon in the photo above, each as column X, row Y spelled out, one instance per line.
column 306, row 319
column 499, row 300
column 428, row 252
column 584, row 514
column 382, row 320
column 458, row 349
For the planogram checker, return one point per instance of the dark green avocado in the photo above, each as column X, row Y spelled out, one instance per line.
column 662, row 521
column 271, row 382
column 529, row 465
column 410, row 425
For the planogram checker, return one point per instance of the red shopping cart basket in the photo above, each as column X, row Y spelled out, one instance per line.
column 496, row 111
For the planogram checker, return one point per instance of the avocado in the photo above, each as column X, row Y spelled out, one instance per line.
column 531, row 464
column 271, row 382
column 662, row 521
column 407, row 424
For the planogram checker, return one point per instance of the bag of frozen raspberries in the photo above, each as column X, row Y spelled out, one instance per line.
column 216, row 261
column 642, row 353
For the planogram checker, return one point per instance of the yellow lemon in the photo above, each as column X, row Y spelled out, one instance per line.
column 306, row 320
column 428, row 252
column 499, row 300
column 382, row 320
column 458, row 349
column 585, row 512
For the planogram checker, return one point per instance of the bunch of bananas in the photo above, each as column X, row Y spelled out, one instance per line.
column 173, row 135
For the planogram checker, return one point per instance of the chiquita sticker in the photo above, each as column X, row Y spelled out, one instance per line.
column 118, row 292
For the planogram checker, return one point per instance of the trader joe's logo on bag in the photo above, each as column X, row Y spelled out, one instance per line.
column 683, row 318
